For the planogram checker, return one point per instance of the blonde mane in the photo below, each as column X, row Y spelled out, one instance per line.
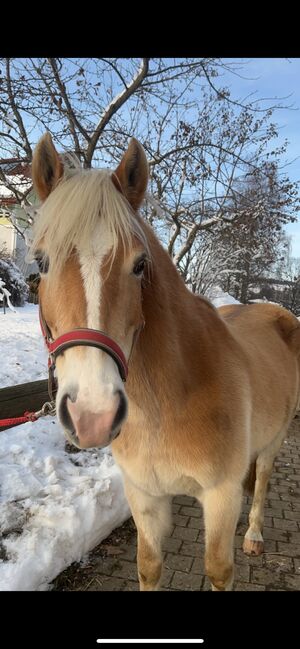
column 70, row 215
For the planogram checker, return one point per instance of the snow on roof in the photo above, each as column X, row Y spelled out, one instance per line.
column 18, row 181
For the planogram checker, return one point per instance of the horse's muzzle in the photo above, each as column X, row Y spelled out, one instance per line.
column 93, row 429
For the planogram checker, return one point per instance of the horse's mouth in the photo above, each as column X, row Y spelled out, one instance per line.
column 74, row 439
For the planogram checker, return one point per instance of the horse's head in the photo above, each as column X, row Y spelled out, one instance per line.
column 92, row 251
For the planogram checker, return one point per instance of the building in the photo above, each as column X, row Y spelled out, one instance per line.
column 18, row 176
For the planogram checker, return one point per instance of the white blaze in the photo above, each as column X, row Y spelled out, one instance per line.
column 93, row 371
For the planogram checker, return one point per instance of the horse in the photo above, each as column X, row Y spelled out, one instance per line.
column 210, row 393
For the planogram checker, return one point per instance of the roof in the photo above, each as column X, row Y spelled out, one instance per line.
column 13, row 166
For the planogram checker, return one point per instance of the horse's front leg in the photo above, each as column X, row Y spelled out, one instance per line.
column 152, row 516
column 221, row 506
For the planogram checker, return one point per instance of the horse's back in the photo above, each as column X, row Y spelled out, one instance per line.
column 257, row 320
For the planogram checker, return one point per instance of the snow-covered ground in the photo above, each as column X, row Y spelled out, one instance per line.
column 54, row 506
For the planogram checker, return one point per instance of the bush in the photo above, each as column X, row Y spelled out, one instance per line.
column 13, row 280
column 33, row 284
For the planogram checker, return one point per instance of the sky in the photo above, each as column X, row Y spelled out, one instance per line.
column 275, row 78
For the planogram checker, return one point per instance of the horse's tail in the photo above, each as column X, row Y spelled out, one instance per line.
column 249, row 480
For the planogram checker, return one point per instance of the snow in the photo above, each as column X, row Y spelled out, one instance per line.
column 54, row 506
column 25, row 358
column 5, row 294
column 219, row 298
column 18, row 182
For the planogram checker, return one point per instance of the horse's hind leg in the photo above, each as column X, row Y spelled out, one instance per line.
column 221, row 507
column 253, row 541
column 152, row 516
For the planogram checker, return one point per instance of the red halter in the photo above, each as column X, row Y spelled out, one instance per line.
column 87, row 337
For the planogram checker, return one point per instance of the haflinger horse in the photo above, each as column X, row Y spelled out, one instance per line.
column 210, row 392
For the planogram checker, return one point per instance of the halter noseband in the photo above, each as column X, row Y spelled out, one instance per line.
column 87, row 337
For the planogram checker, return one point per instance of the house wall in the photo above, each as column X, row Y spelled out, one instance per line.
column 7, row 235
column 16, row 247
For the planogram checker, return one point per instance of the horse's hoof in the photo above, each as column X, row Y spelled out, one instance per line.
column 253, row 547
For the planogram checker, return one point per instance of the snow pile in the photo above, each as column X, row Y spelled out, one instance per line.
column 54, row 506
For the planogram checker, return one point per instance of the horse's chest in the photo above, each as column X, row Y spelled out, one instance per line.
column 148, row 461
column 159, row 478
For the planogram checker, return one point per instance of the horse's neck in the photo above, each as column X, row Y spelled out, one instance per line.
column 163, row 357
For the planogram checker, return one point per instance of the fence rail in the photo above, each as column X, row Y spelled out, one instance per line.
column 16, row 399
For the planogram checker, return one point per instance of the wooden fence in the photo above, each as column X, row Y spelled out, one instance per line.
column 15, row 400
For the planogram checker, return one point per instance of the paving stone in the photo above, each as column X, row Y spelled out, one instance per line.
column 292, row 516
column 171, row 545
column 249, row 560
column 191, row 511
column 289, row 549
column 175, row 562
column 126, row 569
column 180, row 520
column 241, row 572
column 274, row 535
column 278, row 563
column 166, row 578
column 184, row 500
column 128, row 552
column 198, row 566
column 284, row 524
column 292, row 581
column 192, row 549
column 107, row 583
column 266, row 577
column 186, row 534
column 241, row 585
column 196, row 523
column 183, row 581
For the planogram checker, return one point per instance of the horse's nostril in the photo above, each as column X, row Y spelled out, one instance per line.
column 64, row 415
column 121, row 412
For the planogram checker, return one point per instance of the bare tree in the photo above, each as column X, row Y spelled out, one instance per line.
column 198, row 139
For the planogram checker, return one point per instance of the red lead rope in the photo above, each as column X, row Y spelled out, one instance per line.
column 47, row 409
column 14, row 421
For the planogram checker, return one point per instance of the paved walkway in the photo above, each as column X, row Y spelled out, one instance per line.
column 112, row 565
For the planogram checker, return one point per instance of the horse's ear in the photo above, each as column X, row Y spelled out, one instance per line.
column 47, row 167
column 132, row 173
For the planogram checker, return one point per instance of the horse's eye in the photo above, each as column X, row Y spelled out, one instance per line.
column 42, row 261
column 139, row 267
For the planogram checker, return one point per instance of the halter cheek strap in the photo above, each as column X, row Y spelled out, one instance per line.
column 77, row 337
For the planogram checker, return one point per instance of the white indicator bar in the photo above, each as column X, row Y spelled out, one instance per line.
column 149, row 641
